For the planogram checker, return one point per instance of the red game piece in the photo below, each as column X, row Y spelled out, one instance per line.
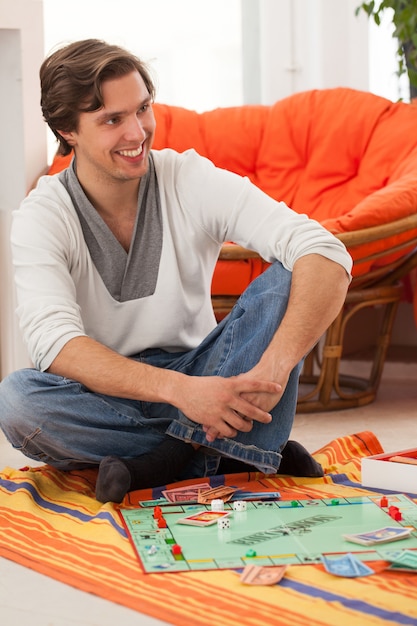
column 176, row 549
column 162, row 522
column 383, row 502
column 397, row 516
column 392, row 510
column 157, row 512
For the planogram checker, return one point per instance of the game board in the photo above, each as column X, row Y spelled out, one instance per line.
column 268, row 533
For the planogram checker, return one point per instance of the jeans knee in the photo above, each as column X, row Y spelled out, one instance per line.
column 277, row 278
column 15, row 403
column 273, row 286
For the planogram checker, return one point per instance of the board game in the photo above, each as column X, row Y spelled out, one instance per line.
column 271, row 532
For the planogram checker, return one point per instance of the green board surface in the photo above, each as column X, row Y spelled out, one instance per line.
column 267, row 533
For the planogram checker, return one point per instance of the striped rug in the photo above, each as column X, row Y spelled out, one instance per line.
column 51, row 522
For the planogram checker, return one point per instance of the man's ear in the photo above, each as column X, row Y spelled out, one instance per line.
column 69, row 136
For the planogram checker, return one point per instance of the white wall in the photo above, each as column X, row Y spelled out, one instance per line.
column 286, row 46
column 311, row 44
column 22, row 146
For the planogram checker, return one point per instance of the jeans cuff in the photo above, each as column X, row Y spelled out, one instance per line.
column 266, row 461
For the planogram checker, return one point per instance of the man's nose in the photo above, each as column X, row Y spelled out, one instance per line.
column 134, row 129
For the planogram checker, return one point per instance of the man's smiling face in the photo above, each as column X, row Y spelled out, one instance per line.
column 113, row 143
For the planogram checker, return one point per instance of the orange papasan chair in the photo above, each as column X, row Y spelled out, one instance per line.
column 348, row 159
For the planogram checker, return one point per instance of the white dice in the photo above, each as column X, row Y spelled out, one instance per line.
column 223, row 523
column 239, row 505
column 217, row 505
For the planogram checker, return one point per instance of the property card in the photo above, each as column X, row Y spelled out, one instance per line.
column 204, row 518
column 381, row 535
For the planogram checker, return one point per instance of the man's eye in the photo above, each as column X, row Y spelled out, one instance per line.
column 144, row 108
column 112, row 121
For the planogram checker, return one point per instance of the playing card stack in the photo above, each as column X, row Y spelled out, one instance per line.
column 382, row 535
column 347, row 566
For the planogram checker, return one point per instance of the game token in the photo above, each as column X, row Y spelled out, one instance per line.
column 162, row 522
column 176, row 549
column 392, row 509
column 251, row 553
column 383, row 503
column 157, row 512
column 395, row 513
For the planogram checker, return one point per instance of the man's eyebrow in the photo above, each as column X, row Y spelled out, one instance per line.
column 108, row 115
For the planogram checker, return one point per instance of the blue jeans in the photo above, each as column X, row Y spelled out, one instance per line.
column 60, row 422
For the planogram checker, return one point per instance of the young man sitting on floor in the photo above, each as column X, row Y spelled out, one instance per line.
column 114, row 258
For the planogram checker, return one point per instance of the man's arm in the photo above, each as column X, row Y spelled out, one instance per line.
column 217, row 403
column 318, row 291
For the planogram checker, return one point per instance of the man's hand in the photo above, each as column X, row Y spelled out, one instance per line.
column 225, row 406
column 261, row 399
column 215, row 402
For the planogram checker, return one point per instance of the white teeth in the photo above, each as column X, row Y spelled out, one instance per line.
column 131, row 153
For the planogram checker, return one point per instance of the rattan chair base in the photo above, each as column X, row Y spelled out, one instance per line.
column 323, row 387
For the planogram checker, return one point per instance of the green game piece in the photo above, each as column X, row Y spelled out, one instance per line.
column 335, row 502
column 251, row 553
column 294, row 503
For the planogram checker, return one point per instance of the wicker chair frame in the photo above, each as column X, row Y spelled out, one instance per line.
column 323, row 387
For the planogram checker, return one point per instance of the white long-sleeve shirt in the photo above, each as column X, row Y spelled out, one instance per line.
column 61, row 294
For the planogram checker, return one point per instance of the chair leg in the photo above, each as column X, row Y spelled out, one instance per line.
column 330, row 390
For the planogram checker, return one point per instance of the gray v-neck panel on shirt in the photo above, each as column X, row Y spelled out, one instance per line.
column 127, row 276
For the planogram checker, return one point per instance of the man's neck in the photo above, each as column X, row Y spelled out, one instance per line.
column 111, row 199
column 116, row 202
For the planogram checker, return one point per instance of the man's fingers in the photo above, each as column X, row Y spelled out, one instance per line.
column 212, row 433
column 228, row 429
column 250, row 412
column 249, row 385
column 246, row 423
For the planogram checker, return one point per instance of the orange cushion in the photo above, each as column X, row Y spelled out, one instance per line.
column 346, row 158
column 59, row 163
